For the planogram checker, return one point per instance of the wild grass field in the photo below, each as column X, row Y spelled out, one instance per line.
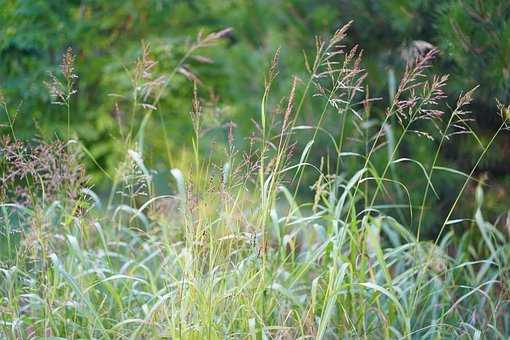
column 262, row 241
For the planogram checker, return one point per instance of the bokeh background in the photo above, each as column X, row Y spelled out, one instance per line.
column 473, row 37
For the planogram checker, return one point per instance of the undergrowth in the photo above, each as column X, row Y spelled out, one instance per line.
column 235, row 251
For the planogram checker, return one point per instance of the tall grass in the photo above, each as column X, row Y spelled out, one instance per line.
column 237, row 252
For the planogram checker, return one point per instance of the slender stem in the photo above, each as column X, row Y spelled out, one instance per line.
column 427, row 187
column 68, row 121
column 482, row 155
column 390, row 161
column 11, row 123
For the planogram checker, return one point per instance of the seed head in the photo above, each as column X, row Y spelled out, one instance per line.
column 504, row 113
column 67, row 65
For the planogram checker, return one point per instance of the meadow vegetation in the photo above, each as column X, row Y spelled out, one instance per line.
column 264, row 241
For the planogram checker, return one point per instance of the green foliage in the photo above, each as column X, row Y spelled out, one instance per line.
column 110, row 37
column 475, row 36
column 233, row 249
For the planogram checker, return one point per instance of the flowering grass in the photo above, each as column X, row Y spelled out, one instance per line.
column 235, row 251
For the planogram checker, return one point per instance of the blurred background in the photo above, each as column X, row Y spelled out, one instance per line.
column 473, row 38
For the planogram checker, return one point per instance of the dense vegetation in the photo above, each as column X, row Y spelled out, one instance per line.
column 168, row 181
column 107, row 36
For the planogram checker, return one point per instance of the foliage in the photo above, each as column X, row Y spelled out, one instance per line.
column 472, row 37
column 232, row 251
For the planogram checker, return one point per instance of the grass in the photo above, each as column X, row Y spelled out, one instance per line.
column 235, row 251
